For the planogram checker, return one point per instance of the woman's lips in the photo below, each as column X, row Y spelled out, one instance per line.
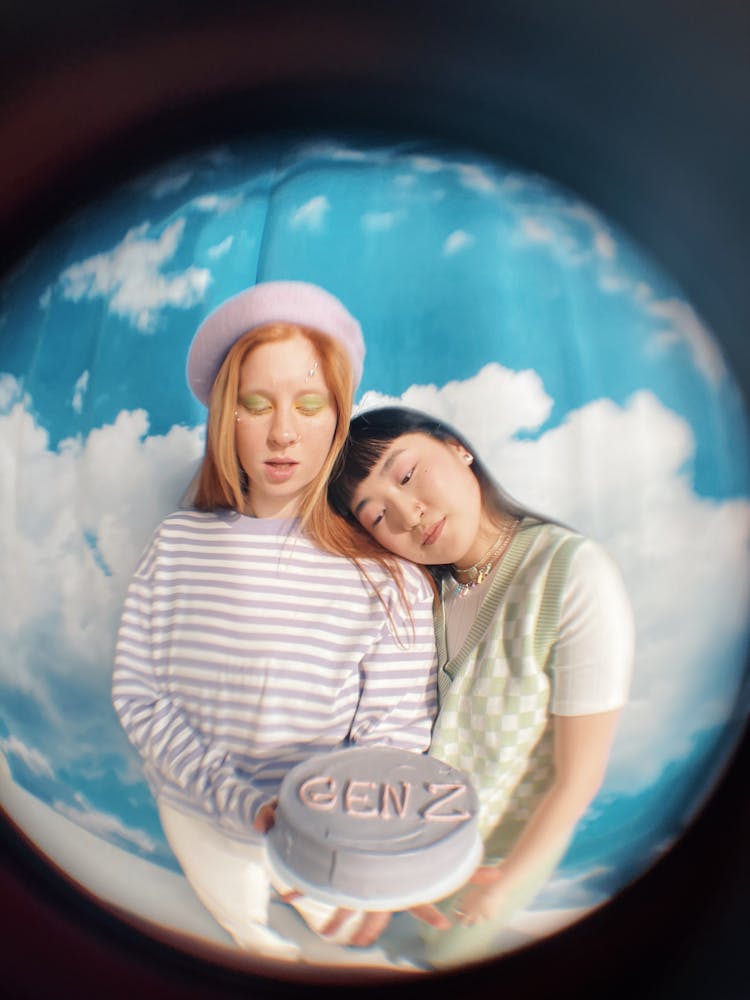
column 434, row 533
column 279, row 470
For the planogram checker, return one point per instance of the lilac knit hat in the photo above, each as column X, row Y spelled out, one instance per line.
column 269, row 302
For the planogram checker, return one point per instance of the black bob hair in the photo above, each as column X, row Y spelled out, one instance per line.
column 371, row 433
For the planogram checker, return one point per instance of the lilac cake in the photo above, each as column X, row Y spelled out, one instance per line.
column 375, row 828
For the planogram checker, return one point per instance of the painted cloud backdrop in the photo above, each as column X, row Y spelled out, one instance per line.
column 488, row 296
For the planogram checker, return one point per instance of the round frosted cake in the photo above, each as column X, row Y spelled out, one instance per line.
column 375, row 828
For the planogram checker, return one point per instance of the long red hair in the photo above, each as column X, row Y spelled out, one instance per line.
column 222, row 483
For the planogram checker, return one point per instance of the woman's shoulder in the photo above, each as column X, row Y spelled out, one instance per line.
column 228, row 520
column 414, row 579
column 188, row 526
column 191, row 514
column 534, row 527
column 595, row 569
column 592, row 576
column 537, row 538
column 188, row 518
column 585, row 555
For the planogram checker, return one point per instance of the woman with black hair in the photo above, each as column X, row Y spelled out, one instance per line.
column 535, row 643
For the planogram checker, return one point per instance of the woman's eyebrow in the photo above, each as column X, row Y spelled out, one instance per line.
column 360, row 505
column 390, row 460
column 383, row 471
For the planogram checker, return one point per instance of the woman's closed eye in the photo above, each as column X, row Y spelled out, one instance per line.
column 308, row 406
column 405, row 479
column 256, row 405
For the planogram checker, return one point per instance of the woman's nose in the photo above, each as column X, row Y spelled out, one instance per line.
column 283, row 430
column 409, row 512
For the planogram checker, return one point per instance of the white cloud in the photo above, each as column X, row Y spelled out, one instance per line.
column 131, row 279
column 79, row 391
column 679, row 324
column 69, row 552
column 427, row 164
column 602, row 240
column 552, row 232
column 457, row 241
column 620, row 474
column 683, row 325
column 517, row 401
column 36, row 762
column 170, row 183
column 312, row 214
column 217, row 203
column 475, row 177
column 10, row 392
column 471, row 175
column 573, row 891
column 332, row 151
column 575, row 233
column 380, row 222
column 605, row 244
column 103, row 824
column 536, row 231
column 220, row 249
column 613, row 283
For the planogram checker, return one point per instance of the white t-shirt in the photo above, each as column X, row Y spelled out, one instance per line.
column 594, row 648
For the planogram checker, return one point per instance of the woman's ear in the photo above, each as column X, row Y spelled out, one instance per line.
column 460, row 450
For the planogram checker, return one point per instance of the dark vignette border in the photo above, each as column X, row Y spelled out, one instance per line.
column 640, row 107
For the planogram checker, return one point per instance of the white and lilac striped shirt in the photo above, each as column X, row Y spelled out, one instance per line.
column 243, row 649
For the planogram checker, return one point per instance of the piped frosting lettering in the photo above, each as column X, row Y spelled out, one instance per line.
column 361, row 799
column 318, row 792
column 434, row 811
column 370, row 799
column 390, row 795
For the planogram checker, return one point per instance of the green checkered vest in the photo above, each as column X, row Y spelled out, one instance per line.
column 494, row 719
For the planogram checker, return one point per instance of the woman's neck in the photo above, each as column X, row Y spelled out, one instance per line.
column 489, row 531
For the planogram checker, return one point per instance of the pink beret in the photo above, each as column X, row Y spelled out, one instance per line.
column 269, row 302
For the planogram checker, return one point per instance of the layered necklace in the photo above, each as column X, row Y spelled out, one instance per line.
column 472, row 576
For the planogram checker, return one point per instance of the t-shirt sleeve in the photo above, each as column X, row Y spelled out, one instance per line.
column 398, row 676
column 592, row 658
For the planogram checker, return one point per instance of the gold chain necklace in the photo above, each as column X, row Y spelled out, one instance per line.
column 479, row 572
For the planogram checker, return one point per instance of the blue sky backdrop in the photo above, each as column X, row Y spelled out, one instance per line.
column 488, row 296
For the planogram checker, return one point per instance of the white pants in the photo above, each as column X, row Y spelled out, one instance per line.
column 232, row 880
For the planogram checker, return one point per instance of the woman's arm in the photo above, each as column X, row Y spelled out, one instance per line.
column 398, row 675
column 582, row 745
column 581, row 749
column 159, row 730
column 591, row 669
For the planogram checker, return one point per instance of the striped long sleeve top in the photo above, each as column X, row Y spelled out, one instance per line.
column 243, row 649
